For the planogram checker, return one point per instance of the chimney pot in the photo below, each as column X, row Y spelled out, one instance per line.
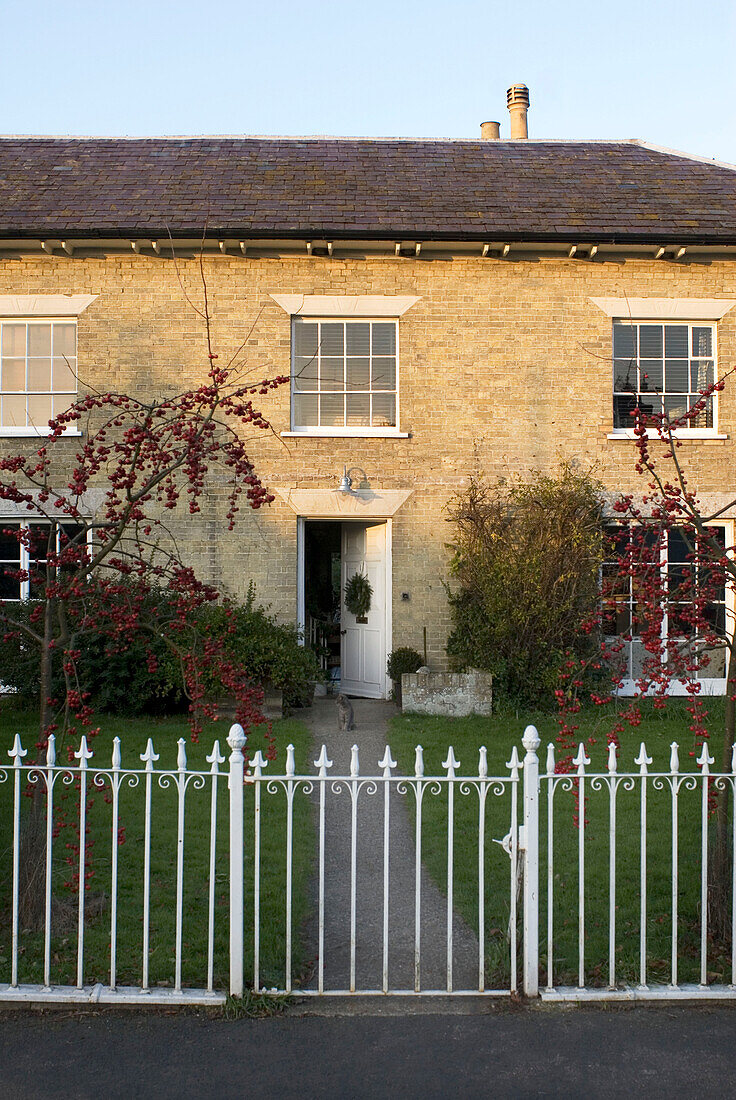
column 490, row 131
column 517, row 101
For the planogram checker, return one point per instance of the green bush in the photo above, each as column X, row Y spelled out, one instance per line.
column 119, row 681
column 526, row 561
column 402, row 660
column 114, row 673
column 269, row 652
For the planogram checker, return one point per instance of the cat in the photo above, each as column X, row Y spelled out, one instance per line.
column 345, row 716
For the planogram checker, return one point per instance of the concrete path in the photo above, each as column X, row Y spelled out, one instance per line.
column 371, row 734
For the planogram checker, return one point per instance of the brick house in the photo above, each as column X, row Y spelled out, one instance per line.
column 444, row 308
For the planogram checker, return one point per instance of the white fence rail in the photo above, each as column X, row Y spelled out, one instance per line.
column 603, row 847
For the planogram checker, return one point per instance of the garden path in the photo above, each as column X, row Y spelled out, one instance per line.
column 371, row 719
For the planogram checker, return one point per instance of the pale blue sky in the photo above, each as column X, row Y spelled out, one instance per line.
column 662, row 70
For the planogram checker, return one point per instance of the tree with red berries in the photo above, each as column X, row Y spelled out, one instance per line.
column 95, row 545
column 664, row 621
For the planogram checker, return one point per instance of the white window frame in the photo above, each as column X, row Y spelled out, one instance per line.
column 714, row 686
column 31, row 431
column 25, row 557
column 358, row 431
column 679, row 433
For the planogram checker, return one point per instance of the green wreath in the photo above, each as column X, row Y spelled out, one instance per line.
column 358, row 595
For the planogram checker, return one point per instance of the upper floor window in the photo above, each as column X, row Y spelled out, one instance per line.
column 344, row 374
column 38, row 372
column 662, row 369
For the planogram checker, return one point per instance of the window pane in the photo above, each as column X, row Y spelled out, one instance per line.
column 677, row 376
column 650, row 341
column 9, row 587
column 650, row 404
column 39, row 411
column 359, row 410
column 702, row 340
column 624, row 375
column 331, row 374
column 14, row 375
column 650, row 374
column 39, row 340
column 359, row 374
column 384, row 339
column 675, row 341
column 358, row 338
column 384, row 410
column 675, row 407
column 623, row 409
column 715, row 616
column 39, row 375
column 14, row 411
column 624, row 341
column 38, row 540
column 701, row 374
column 680, row 544
column 331, row 339
column 14, row 340
column 65, row 340
column 61, row 402
column 305, row 410
column 713, row 664
column 332, row 410
column 64, row 380
column 9, row 545
column 305, row 338
column 384, row 374
column 305, row 372
column 704, row 419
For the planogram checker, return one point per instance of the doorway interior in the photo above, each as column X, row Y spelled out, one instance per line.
column 322, row 564
column 352, row 650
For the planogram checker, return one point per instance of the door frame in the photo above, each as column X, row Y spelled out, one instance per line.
column 388, row 580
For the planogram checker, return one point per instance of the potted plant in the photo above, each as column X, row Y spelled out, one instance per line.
column 400, row 661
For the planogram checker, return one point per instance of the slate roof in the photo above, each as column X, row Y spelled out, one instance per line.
column 361, row 189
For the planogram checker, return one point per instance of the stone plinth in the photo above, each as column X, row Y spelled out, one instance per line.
column 448, row 694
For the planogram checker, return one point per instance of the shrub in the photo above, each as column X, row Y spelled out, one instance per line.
column 267, row 651
column 119, row 678
column 402, row 660
column 115, row 674
column 526, row 560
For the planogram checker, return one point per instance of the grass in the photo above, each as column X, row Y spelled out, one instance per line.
column 499, row 735
column 133, row 734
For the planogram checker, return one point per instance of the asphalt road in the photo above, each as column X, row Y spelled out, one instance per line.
column 507, row 1052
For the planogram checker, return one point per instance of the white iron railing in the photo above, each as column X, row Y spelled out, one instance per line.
column 600, row 793
column 390, row 931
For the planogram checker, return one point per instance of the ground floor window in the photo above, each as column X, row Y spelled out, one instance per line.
column 688, row 619
column 24, row 554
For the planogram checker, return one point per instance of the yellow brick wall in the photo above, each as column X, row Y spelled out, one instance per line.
column 505, row 367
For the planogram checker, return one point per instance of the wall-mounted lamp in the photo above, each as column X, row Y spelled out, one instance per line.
column 346, row 481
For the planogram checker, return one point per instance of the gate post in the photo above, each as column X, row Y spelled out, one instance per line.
column 531, row 743
column 236, row 739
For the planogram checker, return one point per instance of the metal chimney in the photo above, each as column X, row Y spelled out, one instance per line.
column 517, row 101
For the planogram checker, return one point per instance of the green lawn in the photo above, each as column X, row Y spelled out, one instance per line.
column 499, row 734
column 165, row 732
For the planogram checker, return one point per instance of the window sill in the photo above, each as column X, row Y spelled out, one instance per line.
column 32, row 433
column 351, row 433
column 694, row 434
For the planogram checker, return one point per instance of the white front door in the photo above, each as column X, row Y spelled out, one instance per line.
column 363, row 660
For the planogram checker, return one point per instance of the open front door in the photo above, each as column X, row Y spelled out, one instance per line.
column 364, row 642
